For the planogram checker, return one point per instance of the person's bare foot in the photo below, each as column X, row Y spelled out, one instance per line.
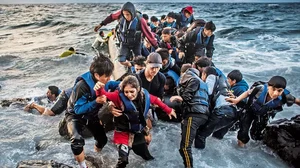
column 97, row 149
column 241, row 144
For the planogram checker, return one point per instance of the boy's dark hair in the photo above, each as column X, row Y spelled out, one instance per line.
column 210, row 26
column 54, row 90
column 153, row 19
column 203, row 62
column 210, row 71
column 164, row 53
column 140, row 60
column 235, row 75
column 166, row 30
column 101, row 32
column 71, row 49
column 162, row 17
column 277, row 82
column 145, row 16
column 171, row 15
column 101, row 65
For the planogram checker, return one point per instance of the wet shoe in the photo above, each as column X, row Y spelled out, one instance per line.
column 200, row 143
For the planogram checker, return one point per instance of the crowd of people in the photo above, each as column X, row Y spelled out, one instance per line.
column 171, row 76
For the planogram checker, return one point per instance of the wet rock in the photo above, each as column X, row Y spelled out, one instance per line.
column 284, row 137
column 41, row 164
column 94, row 161
column 21, row 101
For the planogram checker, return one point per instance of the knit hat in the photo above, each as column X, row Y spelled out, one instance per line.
column 154, row 60
column 189, row 9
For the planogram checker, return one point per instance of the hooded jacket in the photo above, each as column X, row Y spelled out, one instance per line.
column 128, row 6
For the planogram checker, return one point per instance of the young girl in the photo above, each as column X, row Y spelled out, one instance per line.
column 131, row 127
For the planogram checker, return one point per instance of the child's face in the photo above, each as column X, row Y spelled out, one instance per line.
column 187, row 14
column 274, row 92
column 169, row 19
column 103, row 79
column 231, row 82
column 130, row 92
column 127, row 15
column 138, row 68
column 165, row 62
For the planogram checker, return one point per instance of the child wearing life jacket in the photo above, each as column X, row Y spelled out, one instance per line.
column 263, row 102
column 131, row 126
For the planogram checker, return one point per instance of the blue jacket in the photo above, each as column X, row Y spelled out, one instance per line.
column 83, row 99
column 240, row 87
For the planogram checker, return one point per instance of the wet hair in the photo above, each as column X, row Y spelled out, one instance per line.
column 163, row 17
column 203, row 62
column 71, row 49
column 277, row 82
column 101, row 32
column 154, row 19
column 54, row 90
column 210, row 26
column 140, row 60
column 145, row 16
column 101, row 65
column 210, row 71
column 130, row 80
column 184, row 67
column 164, row 53
column 166, row 31
column 235, row 75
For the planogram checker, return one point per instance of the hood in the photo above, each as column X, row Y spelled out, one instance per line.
column 128, row 6
column 189, row 73
column 242, row 83
column 240, row 87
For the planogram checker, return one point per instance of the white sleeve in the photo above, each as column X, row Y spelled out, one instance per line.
column 210, row 81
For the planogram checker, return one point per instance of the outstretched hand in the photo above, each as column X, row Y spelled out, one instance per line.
column 97, row 27
column 172, row 114
column 98, row 86
column 232, row 101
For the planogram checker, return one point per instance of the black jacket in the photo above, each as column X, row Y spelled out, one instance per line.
column 188, row 45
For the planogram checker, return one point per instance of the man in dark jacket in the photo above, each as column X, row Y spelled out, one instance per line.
column 193, row 42
column 83, row 107
column 193, row 93
column 131, row 28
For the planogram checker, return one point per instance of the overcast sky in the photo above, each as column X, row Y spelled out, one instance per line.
column 112, row 1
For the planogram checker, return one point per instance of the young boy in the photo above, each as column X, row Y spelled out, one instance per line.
column 131, row 28
column 170, row 21
column 83, row 107
column 193, row 95
column 263, row 102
